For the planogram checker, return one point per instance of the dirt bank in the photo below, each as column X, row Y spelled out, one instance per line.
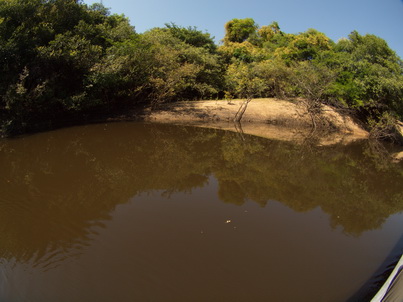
column 270, row 118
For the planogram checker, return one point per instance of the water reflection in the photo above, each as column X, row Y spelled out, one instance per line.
column 58, row 189
column 77, row 176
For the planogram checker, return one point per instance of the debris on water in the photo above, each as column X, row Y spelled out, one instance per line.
column 228, row 221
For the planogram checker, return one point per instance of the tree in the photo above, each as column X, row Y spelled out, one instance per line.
column 120, row 76
column 277, row 77
column 192, row 36
column 239, row 30
column 312, row 82
column 179, row 70
column 304, row 46
column 245, row 82
column 371, row 75
column 49, row 50
column 267, row 32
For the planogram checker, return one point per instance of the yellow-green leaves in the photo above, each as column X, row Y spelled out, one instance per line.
column 239, row 30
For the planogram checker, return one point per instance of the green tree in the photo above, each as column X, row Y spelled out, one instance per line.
column 244, row 52
column 119, row 78
column 312, row 82
column 277, row 77
column 267, row 32
column 193, row 36
column 239, row 30
column 371, row 75
column 179, row 70
column 48, row 52
column 244, row 80
column 304, row 46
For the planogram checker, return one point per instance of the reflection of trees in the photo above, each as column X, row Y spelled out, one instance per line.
column 57, row 186
column 343, row 180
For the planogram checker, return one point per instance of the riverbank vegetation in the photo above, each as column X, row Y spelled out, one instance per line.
column 63, row 60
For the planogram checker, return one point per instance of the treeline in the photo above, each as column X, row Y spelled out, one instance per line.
column 62, row 60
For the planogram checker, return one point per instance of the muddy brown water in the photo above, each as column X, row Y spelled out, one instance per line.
column 146, row 212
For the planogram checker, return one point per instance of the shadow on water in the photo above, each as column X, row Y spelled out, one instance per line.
column 375, row 282
column 57, row 187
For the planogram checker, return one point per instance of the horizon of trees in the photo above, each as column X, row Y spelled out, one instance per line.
column 62, row 60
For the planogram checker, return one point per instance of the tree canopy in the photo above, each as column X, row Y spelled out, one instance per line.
column 239, row 30
column 63, row 60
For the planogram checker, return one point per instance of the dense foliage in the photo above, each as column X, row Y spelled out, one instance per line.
column 62, row 60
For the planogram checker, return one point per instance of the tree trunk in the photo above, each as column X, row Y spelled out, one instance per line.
column 241, row 110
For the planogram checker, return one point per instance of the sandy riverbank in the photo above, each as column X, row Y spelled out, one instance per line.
column 270, row 118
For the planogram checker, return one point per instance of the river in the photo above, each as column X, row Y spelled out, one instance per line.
column 149, row 212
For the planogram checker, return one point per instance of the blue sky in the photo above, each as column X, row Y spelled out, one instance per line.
column 336, row 19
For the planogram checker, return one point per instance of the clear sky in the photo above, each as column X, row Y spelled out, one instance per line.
column 336, row 19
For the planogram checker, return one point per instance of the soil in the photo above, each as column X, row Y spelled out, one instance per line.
column 269, row 117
